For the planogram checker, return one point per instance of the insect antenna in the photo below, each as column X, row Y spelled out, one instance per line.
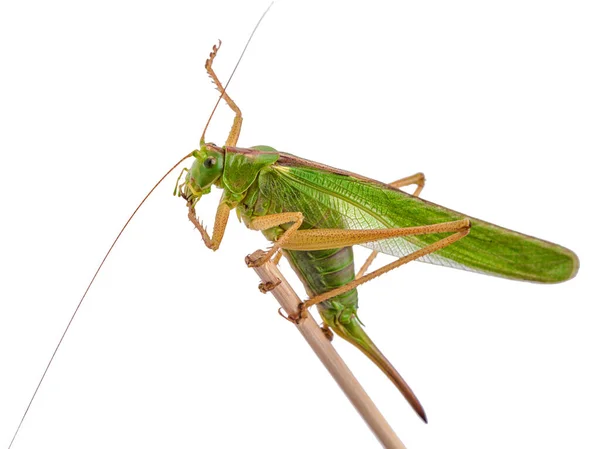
column 119, row 236
column 86, row 292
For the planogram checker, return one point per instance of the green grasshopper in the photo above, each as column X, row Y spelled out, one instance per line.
column 333, row 204
column 313, row 214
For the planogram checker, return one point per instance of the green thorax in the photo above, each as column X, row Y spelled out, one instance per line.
column 319, row 271
column 243, row 165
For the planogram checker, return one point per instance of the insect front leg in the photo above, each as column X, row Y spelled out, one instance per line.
column 236, row 128
column 221, row 218
column 419, row 180
column 271, row 221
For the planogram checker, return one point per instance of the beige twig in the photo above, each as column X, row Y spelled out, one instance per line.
column 273, row 280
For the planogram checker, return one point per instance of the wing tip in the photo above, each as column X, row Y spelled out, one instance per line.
column 562, row 271
column 574, row 266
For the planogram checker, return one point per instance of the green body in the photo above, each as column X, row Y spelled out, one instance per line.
column 331, row 198
column 260, row 181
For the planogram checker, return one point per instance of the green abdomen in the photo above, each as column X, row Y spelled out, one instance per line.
column 325, row 270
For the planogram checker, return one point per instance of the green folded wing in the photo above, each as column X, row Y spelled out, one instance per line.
column 330, row 198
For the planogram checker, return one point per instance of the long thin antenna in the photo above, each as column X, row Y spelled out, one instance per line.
column 123, row 229
column 234, row 69
column 86, row 292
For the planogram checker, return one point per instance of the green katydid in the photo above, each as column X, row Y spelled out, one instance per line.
column 314, row 214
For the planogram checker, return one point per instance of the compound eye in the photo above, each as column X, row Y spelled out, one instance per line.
column 210, row 162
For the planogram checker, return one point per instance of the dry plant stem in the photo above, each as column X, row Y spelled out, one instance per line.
column 317, row 340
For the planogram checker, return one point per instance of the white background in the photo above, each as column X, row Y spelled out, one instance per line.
column 497, row 102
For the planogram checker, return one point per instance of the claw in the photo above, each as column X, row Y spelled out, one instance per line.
column 300, row 315
column 266, row 287
column 255, row 259
column 288, row 318
column 327, row 331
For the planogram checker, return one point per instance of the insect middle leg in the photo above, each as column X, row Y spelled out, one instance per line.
column 270, row 221
column 419, row 180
